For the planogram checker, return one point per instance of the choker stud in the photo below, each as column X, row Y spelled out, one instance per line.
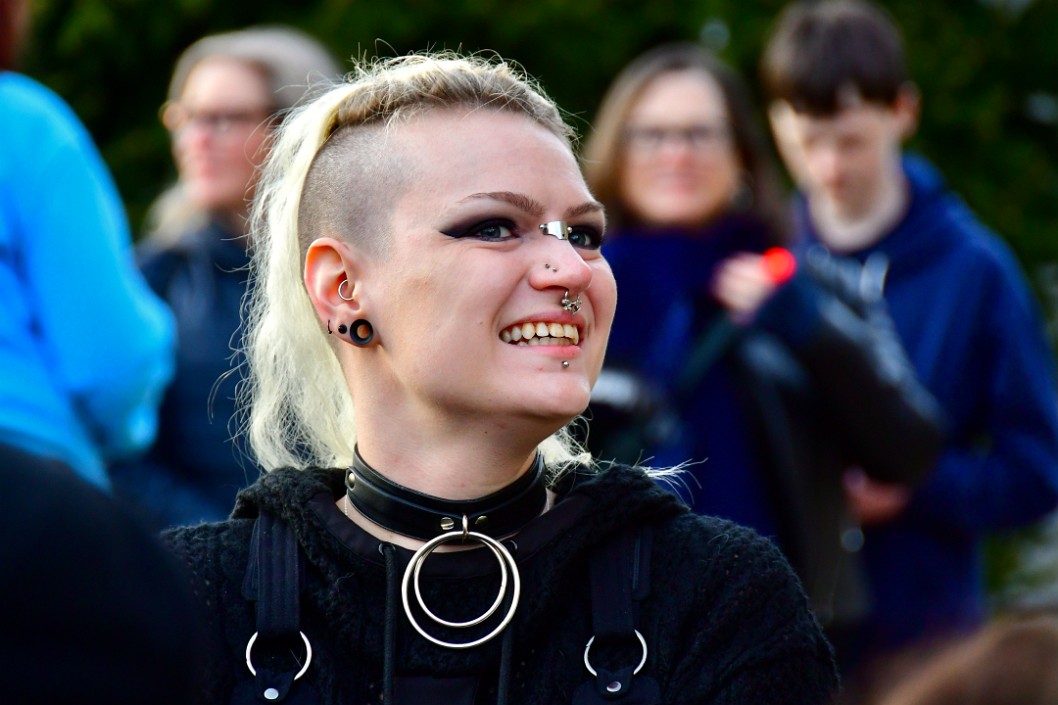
column 440, row 521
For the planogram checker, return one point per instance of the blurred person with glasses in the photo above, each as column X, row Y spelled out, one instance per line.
column 227, row 93
column 770, row 379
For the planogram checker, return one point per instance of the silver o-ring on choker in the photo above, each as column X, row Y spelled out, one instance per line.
column 508, row 570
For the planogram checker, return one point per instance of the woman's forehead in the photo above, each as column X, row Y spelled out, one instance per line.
column 451, row 156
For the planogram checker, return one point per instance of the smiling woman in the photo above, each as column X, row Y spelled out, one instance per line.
column 429, row 310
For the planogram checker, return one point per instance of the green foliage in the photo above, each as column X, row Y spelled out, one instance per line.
column 986, row 70
column 981, row 65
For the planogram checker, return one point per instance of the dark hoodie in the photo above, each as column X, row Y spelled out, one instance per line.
column 976, row 339
column 725, row 621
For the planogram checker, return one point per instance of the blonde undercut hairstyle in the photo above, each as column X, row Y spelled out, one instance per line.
column 330, row 174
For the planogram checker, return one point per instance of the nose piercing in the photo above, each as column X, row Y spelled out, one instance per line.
column 548, row 266
column 558, row 228
column 571, row 305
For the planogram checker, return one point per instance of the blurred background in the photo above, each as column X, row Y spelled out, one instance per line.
column 988, row 70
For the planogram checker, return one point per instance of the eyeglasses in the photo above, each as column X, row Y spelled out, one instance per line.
column 177, row 117
column 697, row 138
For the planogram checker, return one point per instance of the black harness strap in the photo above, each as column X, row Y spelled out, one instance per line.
column 620, row 580
column 279, row 650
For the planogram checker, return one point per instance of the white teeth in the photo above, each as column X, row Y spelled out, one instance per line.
column 541, row 333
column 522, row 344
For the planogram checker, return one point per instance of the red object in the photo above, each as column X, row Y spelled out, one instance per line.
column 779, row 264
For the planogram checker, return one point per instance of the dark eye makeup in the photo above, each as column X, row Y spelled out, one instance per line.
column 583, row 237
column 492, row 229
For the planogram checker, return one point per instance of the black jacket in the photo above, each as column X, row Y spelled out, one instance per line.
column 822, row 385
column 725, row 621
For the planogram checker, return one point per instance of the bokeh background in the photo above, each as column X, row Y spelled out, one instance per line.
column 988, row 71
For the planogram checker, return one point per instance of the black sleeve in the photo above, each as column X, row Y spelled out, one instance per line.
column 889, row 424
column 97, row 611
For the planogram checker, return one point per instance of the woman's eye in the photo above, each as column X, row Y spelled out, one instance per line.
column 493, row 231
column 585, row 238
column 489, row 231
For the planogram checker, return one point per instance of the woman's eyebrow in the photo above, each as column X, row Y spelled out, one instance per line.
column 584, row 208
column 519, row 201
column 532, row 206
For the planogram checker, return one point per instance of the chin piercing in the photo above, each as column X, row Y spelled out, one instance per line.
column 558, row 228
column 571, row 305
column 565, row 363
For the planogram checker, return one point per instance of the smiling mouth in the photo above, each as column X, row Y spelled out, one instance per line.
column 541, row 333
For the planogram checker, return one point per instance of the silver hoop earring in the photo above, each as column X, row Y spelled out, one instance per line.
column 342, row 296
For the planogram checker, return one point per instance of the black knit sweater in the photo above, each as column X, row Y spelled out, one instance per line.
column 726, row 622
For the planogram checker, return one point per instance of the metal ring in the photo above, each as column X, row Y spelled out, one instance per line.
column 342, row 296
column 308, row 655
column 501, row 553
column 476, row 621
column 642, row 661
column 571, row 305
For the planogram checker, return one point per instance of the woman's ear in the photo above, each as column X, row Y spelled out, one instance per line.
column 332, row 279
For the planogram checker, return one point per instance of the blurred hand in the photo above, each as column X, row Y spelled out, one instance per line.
column 872, row 502
column 742, row 284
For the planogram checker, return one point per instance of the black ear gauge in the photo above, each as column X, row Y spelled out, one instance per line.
column 361, row 332
column 342, row 329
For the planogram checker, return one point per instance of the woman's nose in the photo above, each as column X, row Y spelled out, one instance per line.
column 558, row 264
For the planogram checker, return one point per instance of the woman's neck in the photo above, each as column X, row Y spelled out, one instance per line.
column 457, row 469
column 454, row 471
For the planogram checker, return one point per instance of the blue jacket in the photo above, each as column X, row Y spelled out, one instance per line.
column 974, row 335
column 194, row 469
column 780, row 408
column 85, row 347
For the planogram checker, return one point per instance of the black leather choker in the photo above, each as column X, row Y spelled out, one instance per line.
column 410, row 513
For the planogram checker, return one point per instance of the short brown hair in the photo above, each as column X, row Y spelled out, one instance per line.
column 820, row 51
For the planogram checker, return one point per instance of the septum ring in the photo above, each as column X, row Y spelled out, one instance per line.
column 571, row 305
